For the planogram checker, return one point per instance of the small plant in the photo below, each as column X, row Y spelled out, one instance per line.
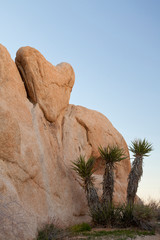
column 155, row 206
column 49, row 232
column 137, row 215
column 107, row 215
column 81, row 228
column 143, row 212
column 127, row 218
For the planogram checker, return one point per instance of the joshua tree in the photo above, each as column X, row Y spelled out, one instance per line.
column 111, row 155
column 140, row 149
column 85, row 171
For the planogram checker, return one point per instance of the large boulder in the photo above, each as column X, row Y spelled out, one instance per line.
column 47, row 85
column 40, row 136
column 83, row 132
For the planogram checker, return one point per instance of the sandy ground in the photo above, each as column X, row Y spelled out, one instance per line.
column 156, row 237
column 152, row 237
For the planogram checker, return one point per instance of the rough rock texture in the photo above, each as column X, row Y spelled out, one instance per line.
column 40, row 135
column 88, row 129
column 47, row 85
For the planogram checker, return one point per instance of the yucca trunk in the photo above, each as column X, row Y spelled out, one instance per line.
column 133, row 179
column 92, row 197
column 108, row 184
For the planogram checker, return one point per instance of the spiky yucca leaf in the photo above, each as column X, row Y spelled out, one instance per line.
column 140, row 147
column 112, row 154
column 84, row 168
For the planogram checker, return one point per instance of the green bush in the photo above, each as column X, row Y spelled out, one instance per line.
column 125, row 215
column 138, row 215
column 155, row 206
column 106, row 215
column 158, row 214
column 127, row 218
column 143, row 212
column 81, row 227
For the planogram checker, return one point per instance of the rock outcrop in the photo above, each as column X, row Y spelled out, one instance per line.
column 47, row 85
column 40, row 136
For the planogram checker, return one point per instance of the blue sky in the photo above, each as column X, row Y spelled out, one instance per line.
column 114, row 48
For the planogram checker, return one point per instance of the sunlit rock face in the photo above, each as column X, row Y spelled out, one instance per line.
column 40, row 136
column 47, row 85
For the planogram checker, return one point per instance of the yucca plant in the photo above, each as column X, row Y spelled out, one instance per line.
column 140, row 149
column 85, row 170
column 111, row 155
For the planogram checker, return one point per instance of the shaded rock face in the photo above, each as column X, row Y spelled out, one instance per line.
column 40, row 136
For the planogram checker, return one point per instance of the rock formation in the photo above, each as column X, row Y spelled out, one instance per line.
column 40, row 136
column 47, row 85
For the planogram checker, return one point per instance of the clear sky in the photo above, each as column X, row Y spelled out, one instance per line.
column 114, row 48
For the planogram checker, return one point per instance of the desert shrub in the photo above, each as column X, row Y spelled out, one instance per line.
column 106, row 215
column 158, row 213
column 125, row 215
column 127, row 218
column 49, row 232
column 138, row 215
column 81, row 227
column 155, row 206
column 143, row 212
